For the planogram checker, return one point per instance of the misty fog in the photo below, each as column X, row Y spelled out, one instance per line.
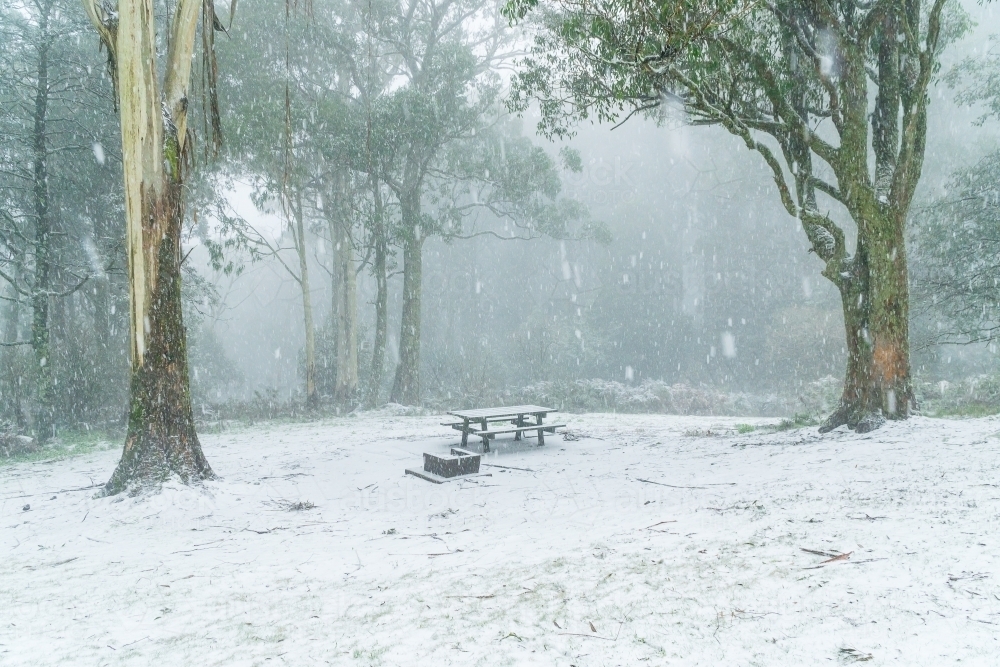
column 671, row 260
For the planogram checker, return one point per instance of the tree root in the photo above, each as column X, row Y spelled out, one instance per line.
column 839, row 417
column 148, row 461
column 869, row 421
column 858, row 420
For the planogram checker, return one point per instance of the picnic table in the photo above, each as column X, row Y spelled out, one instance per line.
column 477, row 422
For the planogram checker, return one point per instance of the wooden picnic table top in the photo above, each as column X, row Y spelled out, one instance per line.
column 512, row 411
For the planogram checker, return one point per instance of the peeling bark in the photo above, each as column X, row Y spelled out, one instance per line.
column 161, row 440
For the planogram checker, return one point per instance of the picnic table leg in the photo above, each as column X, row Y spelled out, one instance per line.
column 519, row 424
column 541, row 433
column 486, row 438
column 465, row 433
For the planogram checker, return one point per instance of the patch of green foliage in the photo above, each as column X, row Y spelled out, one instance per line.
column 969, row 410
column 745, row 428
column 800, row 420
column 67, row 444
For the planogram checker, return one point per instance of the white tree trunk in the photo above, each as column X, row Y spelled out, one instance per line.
column 161, row 438
column 312, row 397
column 345, row 285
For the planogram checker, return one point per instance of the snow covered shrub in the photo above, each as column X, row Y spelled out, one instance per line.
column 14, row 444
column 972, row 396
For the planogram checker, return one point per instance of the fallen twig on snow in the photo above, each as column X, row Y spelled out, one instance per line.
column 583, row 634
column 830, row 557
column 594, row 629
column 672, row 486
column 493, row 465
column 837, row 558
column 135, row 642
column 660, row 524
column 444, row 553
column 264, row 532
column 62, row 562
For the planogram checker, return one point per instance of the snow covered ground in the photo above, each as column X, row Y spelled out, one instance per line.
column 646, row 541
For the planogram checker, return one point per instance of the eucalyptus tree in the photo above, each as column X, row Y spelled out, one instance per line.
column 161, row 438
column 358, row 149
column 448, row 50
column 833, row 96
column 356, row 137
column 377, row 90
column 362, row 216
column 377, row 103
column 456, row 166
column 290, row 196
column 282, row 88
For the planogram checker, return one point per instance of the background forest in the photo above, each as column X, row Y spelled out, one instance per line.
column 374, row 225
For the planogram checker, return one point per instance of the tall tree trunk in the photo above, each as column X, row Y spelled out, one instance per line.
column 377, row 371
column 161, row 440
column 312, row 395
column 101, row 300
column 875, row 299
column 406, row 386
column 379, row 267
column 40, row 334
column 11, row 367
column 875, row 288
column 345, row 308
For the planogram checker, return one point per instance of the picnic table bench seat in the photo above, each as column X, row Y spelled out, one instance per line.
column 491, row 433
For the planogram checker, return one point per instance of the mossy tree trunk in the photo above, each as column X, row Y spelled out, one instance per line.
column 875, row 300
column 161, row 440
column 873, row 283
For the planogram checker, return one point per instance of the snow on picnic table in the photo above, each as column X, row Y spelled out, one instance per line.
column 564, row 557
